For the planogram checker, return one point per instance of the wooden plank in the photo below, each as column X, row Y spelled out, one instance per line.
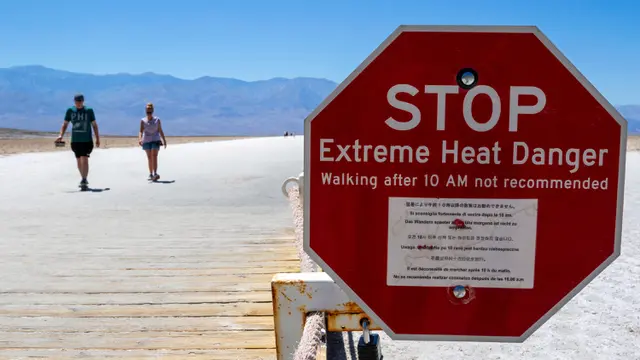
column 117, row 279
column 131, row 286
column 108, row 325
column 293, row 267
column 129, row 262
column 82, row 265
column 149, row 340
column 157, row 310
column 234, row 249
column 133, row 298
column 88, row 287
column 236, row 245
column 219, row 238
column 163, row 272
column 30, row 284
column 202, row 257
column 191, row 354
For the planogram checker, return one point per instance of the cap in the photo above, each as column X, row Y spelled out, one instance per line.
column 78, row 97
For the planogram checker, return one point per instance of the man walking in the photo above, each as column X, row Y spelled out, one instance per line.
column 82, row 120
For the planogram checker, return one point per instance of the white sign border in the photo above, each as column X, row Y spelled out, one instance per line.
column 466, row 28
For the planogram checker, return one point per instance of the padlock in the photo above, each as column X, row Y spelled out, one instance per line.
column 369, row 344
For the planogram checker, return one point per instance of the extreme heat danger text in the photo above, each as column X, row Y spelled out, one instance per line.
column 454, row 151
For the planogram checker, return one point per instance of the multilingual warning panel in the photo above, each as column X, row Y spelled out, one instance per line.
column 484, row 243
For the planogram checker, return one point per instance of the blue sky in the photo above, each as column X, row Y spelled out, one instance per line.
column 253, row 40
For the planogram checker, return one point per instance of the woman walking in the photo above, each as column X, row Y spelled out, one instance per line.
column 150, row 139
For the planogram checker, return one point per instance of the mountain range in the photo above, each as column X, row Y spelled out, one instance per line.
column 35, row 97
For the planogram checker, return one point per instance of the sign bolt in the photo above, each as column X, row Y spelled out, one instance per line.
column 459, row 291
column 467, row 78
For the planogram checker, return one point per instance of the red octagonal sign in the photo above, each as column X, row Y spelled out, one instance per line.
column 464, row 183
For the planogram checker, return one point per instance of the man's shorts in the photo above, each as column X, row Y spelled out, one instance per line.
column 82, row 148
column 152, row 145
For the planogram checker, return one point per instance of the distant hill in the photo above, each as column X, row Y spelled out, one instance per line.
column 35, row 97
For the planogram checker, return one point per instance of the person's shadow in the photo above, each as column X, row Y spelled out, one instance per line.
column 95, row 189
column 89, row 190
column 162, row 182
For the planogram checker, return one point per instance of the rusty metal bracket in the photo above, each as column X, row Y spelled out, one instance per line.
column 297, row 294
column 349, row 318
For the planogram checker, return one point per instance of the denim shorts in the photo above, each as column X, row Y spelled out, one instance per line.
column 153, row 145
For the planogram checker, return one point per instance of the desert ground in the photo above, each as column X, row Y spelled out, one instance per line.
column 633, row 143
column 18, row 141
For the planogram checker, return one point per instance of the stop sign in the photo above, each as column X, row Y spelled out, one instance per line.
column 464, row 183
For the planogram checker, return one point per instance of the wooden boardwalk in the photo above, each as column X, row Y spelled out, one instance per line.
column 138, row 302
column 132, row 270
